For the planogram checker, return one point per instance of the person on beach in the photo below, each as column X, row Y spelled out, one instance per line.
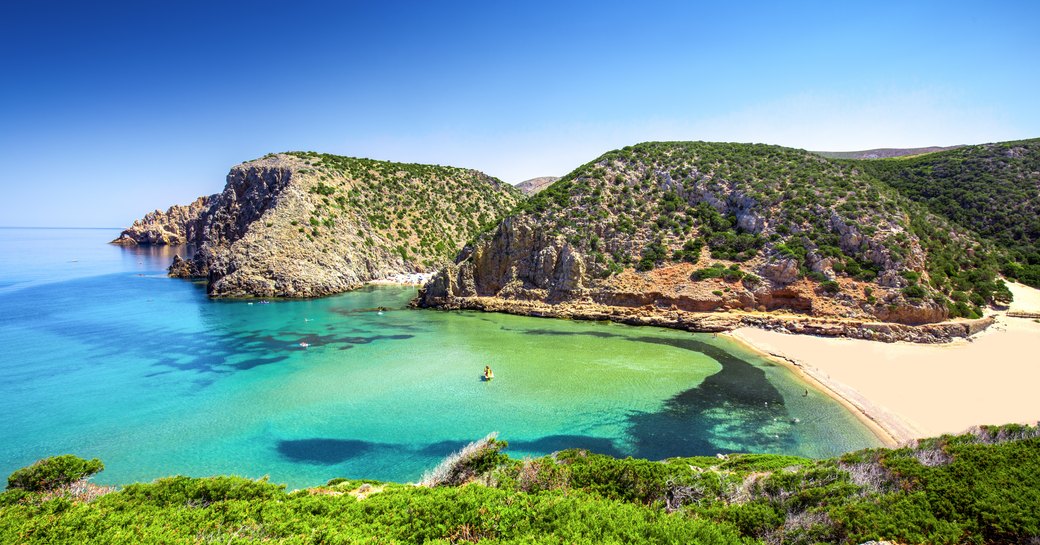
column 488, row 375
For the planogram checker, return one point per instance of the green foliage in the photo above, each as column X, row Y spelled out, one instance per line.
column 322, row 189
column 53, row 473
column 982, row 487
column 830, row 286
column 990, row 189
column 653, row 254
column 423, row 213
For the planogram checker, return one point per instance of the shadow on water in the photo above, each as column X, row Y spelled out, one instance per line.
column 216, row 351
column 332, row 451
column 736, row 409
column 325, row 451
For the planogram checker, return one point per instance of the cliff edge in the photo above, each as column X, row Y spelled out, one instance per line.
column 303, row 224
column 177, row 225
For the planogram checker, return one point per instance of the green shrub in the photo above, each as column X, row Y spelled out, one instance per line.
column 53, row 473
column 830, row 286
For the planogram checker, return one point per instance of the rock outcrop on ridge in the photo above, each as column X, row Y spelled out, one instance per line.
column 177, row 225
column 303, row 224
column 699, row 227
column 536, row 185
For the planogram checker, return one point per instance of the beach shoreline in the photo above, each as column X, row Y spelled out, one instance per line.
column 906, row 391
column 884, row 426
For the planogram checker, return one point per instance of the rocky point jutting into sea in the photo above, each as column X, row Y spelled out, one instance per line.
column 307, row 225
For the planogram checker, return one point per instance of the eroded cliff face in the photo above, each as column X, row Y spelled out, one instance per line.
column 520, row 263
column 177, row 225
column 306, row 225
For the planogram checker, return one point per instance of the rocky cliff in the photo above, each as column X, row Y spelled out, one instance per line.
column 536, row 185
column 307, row 224
column 697, row 227
column 177, row 225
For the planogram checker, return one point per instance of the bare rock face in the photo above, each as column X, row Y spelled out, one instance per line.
column 519, row 262
column 782, row 271
column 178, row 225
column 536, row 185
column 914, row 314
column 308, row 225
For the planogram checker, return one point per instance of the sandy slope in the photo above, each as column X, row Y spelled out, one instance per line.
column 915, row 390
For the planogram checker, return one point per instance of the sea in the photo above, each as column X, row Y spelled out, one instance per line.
column 102, row 355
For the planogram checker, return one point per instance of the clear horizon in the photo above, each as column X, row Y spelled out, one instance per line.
column 112, row 110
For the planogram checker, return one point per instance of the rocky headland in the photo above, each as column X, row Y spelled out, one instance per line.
column 177, row 225
column 304, row 224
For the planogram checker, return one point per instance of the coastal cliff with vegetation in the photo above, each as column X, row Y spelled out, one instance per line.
column 304, row 224
column 682, row 228
column 979, row 487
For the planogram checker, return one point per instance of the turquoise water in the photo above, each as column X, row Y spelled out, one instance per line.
column 103, row 356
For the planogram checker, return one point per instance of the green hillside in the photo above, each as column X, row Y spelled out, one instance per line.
column 756, row 206
column 422, row 212
column 982, row 487
column 992, row 189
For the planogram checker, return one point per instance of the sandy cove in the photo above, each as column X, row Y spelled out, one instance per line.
column 913, row 390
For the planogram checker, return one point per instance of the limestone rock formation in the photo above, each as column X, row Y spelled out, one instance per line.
column 307, row 225
column 178, row 225
column 536, row 185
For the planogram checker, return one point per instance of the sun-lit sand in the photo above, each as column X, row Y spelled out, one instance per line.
column 914, row 390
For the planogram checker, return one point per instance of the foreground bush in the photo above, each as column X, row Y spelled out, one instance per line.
column 53, row 473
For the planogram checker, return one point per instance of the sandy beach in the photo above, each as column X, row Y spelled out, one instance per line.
column 914, row 390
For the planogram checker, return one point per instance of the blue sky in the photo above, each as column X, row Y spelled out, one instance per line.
column 110, row 110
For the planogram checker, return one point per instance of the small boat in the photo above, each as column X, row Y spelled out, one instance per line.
column 304, row 345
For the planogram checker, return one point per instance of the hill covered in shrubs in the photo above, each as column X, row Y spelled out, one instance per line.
column 992, row 189
column 711, row 226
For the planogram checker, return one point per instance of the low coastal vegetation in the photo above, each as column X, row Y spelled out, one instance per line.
column 979, row 487
column 404, row 205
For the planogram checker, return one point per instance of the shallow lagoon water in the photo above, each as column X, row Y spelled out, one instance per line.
column 104, row 356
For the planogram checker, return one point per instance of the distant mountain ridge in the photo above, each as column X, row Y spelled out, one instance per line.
column 882, row 153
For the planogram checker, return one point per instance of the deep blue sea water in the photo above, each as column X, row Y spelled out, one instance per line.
column 102, row 355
